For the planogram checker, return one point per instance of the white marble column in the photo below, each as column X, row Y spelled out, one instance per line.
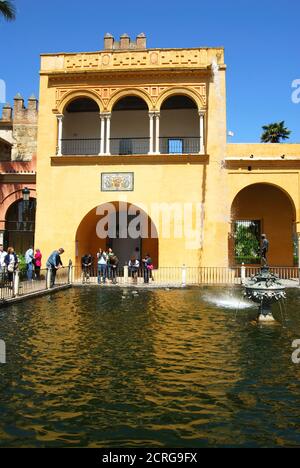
column 157, row 132
column 108, row 121
column 202, row 139
column 151, row 132
column 60, row 119
column 102, row 134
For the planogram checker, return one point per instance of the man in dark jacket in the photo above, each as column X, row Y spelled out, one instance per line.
column 54, row 263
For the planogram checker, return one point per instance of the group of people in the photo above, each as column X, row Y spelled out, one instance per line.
column 33, row 261
column 107, row 266
column 9, row 263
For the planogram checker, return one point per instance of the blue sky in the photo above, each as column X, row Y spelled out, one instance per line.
column 261, row 40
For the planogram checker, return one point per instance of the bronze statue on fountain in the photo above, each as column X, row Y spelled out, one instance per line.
column 265, row 288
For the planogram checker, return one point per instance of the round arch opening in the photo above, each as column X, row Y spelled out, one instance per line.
column 130, row 126
column 179, row 125
column 81, row 127
column 20, row 225
column 117, row 225
column 257, row 209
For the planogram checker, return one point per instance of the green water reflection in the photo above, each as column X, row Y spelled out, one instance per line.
column 104, row 368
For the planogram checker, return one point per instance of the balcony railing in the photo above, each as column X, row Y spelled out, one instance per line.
column 179, row 145
column 127, row 146
column 123, row 146
column 84, row 146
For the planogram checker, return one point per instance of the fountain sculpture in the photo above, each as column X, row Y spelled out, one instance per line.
column 265, row 289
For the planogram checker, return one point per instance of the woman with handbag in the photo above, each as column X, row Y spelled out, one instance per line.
column 148, row 268
column 11, row 261
column 37, row 263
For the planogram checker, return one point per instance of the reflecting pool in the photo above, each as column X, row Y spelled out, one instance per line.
column 97, row 367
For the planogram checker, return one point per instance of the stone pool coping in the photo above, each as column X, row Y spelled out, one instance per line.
column 32, row 295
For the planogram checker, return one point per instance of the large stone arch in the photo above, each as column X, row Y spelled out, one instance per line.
column 271, row 210
column 12, row 197
column 88, row 241
column 73, row 95
column 19, row 223
column 120, row 94
column 199, row 101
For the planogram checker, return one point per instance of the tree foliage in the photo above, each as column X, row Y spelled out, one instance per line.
column 275, row 132
column 7, row 10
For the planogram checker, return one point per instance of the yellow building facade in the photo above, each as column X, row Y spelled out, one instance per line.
column 146, row 129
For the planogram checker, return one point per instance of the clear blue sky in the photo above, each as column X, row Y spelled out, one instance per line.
column 261, row 40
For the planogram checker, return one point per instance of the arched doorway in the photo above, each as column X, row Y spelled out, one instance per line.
column 81, row 128
column 126, row 228
column 130, row 126
column 263, row 208
column 179, row 126
column 20, row 225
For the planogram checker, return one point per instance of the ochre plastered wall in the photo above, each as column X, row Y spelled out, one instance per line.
column 67, row 192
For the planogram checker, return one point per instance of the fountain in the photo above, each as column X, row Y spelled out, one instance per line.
column 265, row 289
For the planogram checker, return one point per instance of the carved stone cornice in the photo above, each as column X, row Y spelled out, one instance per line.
column 144, row 159
column 200, row 58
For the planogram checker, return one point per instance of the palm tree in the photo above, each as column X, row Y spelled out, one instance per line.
column 7, row 9
column 275, row 132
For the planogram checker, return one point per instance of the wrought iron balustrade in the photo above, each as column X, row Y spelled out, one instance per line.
column 81, row 146
column 179, row 145
column 126, row 146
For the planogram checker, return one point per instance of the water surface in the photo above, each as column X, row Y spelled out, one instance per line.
column 100, row 367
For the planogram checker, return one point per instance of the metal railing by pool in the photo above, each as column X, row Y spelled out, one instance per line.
column 184, row 275
column 163, row 276
column 29, row 286
column 6, row 286
column 21, row 286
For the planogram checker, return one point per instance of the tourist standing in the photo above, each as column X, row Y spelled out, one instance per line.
column 134, row 266
column 148, row 267
column 29, row 256
column 37, row 263
column 102, row 266
column 110, row 255
column 54, row 263
column 86, row 266
column 2, row 259
column 11, row 263
column 114, row 262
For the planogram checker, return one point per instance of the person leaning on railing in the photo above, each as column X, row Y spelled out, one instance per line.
column 54, row 263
